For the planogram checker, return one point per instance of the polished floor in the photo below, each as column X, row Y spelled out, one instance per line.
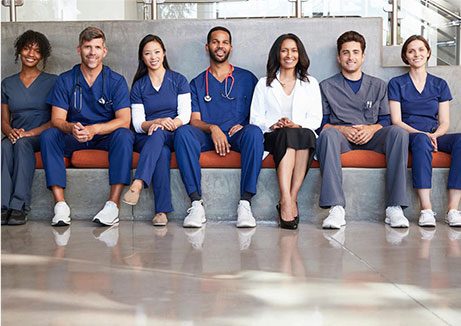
column 135, row 274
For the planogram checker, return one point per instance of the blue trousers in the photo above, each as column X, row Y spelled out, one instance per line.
column 18, row 167
column 190, row 141
column 55, row 145
column 421, row 149
column 154, row 166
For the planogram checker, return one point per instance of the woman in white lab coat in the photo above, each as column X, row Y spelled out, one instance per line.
column 287, row 107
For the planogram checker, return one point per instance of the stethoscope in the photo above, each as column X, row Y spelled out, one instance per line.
column 78, row 93
column 227, row 91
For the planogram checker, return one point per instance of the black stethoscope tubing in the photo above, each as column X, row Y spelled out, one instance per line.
column 78, row 90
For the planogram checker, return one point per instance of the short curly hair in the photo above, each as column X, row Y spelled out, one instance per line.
column 29, row 38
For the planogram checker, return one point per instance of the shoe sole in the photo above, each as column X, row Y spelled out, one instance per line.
column 246, row 226
column 430, row 224
column 60, row 223
column 159, row 224
column 397, row 226
column 14, row 222
column 193, row 226
column 334, row 227
column 98, row 221
column 131, row 203
column 453, row 224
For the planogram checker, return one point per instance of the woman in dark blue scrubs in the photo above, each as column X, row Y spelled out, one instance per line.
column 160, row 103
column 419, row 103
column 25, row 115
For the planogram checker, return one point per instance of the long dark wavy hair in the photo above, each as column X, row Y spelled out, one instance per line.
column 273, row 61
column 142, row 68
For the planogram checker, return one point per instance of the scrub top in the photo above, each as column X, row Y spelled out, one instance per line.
column 345, row 107
column 27, row 106
column 82, row 102
column 164, row 102
column 222, row 111
column 419, row 110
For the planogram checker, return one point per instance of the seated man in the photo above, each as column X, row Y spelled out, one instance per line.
column 221, row 99
column 90, row 110
column 356, row 116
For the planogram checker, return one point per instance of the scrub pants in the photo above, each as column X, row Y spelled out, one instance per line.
column 189, row 141
column 421, row 149
column 154, row 166
column 55, row 145
column 391, row 141
column 18, row 167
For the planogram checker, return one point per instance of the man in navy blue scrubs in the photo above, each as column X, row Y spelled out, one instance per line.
column 90, row 110
column 221, row 99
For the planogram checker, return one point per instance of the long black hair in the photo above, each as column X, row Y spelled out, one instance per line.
column 273, row 61
column 29, row 38
column 142, row 68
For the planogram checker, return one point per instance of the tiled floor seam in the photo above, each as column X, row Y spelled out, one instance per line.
column 388, row 280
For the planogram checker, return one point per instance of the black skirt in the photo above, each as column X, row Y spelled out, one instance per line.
column 277, row 142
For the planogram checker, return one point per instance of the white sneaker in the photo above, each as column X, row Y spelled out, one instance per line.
column 61, row 238
column 61, row 214
column 427, row 218
column 196, row 215
column 335, row 219
column 395, row 217
column 244, row 236
column 396, row 236
column 108, row 236
column 245, row 217
column 453, row 217
column 107, row 216
column 196, row 237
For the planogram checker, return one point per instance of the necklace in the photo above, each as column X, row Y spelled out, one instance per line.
column 286, row 83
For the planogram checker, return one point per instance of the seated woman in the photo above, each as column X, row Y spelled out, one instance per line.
column 25, row 114
column 287, row 107
column 161, row 103
column 419, row 103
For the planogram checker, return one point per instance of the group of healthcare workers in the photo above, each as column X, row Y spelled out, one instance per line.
column 287, row 113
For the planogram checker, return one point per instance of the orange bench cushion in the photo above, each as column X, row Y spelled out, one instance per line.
column 96, row 159
column 92, row 158
column 39, row 162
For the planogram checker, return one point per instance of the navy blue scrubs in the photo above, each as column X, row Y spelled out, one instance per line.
column 88, row 105
column 28, row 110
column 228, row 107
column 420, row 111
column 155, row 150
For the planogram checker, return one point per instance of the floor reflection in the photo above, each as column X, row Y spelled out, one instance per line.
column 365, row 273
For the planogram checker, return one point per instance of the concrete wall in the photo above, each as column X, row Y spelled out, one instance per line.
column 252, row 39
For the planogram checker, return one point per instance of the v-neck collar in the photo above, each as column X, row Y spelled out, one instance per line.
column 31, row 84
column 361, row 91
column 414, row 86
column 161, row 85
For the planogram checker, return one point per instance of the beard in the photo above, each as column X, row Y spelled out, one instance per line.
column 216, row 59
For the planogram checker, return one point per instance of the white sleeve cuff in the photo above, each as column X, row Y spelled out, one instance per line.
column 184, row 108
column 138, row 116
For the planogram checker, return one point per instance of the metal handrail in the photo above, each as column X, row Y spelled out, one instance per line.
column 442, row 8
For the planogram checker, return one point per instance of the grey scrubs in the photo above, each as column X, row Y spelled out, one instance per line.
column 28, row 110
column 364, row 107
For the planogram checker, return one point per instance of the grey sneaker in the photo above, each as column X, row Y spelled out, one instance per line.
column 335, row 219
column 427, row 218
column 245, row 217
column 108, row 216
column 61, row 214
column 453, row 217
column 395, row 217
column 196, row 215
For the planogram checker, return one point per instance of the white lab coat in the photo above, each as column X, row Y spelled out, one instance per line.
column 306, row 110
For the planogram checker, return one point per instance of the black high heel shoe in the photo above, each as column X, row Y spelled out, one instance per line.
column 288, row 225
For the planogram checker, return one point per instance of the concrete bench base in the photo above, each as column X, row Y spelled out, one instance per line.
column 88, row 189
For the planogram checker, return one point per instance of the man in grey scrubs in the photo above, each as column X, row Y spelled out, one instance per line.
column 356, row 116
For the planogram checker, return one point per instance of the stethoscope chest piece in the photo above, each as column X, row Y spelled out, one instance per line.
column 207, row 98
